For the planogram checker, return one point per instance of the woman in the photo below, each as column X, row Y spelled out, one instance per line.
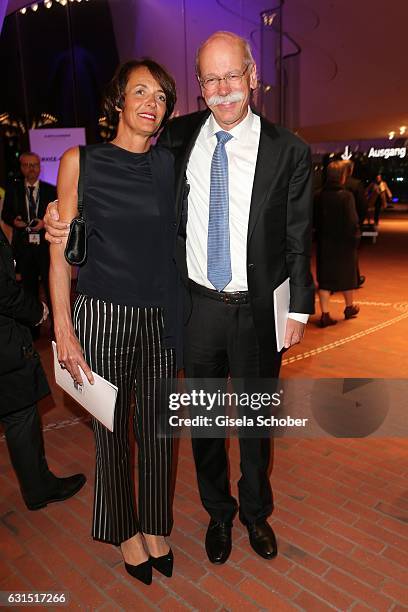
column 124, row 316
column 338, row 235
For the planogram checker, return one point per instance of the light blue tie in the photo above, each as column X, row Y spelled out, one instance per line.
column 218, row 246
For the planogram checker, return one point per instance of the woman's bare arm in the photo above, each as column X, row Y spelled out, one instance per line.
column 68, row 347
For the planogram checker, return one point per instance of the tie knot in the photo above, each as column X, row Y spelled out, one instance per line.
column 223, row 137
column 31, row 189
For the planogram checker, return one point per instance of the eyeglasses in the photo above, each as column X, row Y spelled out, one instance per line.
column 232, row 78
column 29, row 165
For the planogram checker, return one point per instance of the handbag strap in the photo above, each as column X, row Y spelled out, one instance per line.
column 82, row 158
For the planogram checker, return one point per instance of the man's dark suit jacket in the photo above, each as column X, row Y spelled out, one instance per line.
column 280, row 220
column 22, row 380
column 15, row 205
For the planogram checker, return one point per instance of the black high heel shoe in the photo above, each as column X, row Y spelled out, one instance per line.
column 164, row 564
column 142, row 571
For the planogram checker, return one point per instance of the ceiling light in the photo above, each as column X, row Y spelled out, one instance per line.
column 391, row 135
column 23, row 10
column 403, row 129
column 34, row 7
column 48, row 4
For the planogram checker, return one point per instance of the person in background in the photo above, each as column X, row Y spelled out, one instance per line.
column 24, row 206
column 6, row 228
column 357, row 189
column 338, row 235
column 380, row 194
column 22, row 385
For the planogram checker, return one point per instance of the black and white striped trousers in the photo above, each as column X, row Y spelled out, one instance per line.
column 123, row 344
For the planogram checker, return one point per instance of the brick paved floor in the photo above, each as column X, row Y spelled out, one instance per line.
column 341, row 508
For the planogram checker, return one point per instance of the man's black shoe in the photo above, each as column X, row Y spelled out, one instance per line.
column 361, row 280
column 262, row 539
column 64, row 489
column 218, row 541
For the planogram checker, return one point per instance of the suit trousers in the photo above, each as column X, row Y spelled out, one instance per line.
column 221, row 340
column 26, row 448
column 124, row 345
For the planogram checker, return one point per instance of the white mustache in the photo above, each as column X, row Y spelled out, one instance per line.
column 234, row 96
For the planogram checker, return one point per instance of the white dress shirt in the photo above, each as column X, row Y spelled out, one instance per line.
column 242, row 152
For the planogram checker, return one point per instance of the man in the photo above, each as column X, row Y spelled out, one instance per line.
column 233, row 252
column 384, row 196
column 22, row 384
column 24, row 206
column 357, row 189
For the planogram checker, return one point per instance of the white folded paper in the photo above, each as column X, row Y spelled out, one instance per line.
column 281, row 299
column 98, row 399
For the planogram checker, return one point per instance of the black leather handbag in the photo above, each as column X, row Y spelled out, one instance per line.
column 75, row 249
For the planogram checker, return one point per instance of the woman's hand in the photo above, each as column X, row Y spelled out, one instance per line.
column 71, row 357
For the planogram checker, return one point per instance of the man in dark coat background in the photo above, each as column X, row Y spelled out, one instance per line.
column 22, row 384
column 24, row 206
column 356, row 187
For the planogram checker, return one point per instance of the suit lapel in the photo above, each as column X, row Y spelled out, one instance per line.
column 20, row 200
column 183, row 162
column 3, row 237
column 42, row 203
column 267, row 162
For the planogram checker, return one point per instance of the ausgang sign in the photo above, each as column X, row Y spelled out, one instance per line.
column 386, row 153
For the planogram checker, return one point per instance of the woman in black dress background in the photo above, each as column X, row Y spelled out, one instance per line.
column 125, row 315
column 338, row 236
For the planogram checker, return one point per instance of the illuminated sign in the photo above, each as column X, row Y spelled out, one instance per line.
column 386, row 153
column 346, row 155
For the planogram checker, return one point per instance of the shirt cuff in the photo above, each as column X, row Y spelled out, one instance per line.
column 44, row 315
column 298, row 316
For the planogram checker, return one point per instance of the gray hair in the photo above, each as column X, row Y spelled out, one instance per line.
column 337, row 171
column 246, row 47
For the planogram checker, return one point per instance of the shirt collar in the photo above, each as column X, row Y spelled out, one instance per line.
column 36, row 184
column 240, row 131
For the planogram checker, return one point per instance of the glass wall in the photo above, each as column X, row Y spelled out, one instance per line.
column 55, row 62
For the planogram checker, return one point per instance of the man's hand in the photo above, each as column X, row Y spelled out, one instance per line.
column 294, row 332
column 55, row 230
column 18, row 222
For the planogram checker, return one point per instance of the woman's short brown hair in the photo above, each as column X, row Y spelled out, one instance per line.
column 115, row 90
